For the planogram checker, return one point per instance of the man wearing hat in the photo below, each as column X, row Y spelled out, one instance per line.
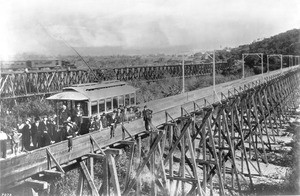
column 93, row 124
column 78, row 115
column 113, row 124
column 104, row 120
column 147, row 116
column 64, row 114
column 26, row 132
column 36, row 132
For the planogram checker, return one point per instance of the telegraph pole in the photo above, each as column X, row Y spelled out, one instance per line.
column 243, row 66
column 183, row 90
column 214, row 70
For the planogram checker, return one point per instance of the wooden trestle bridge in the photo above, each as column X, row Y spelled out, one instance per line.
column 196, row 138
column 21, row 84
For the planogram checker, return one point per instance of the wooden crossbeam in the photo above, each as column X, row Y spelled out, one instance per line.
column 55, row 161
column 140, row 168
column 96, row 143
column 177, row 141
column 89, row 179
column 125, row 130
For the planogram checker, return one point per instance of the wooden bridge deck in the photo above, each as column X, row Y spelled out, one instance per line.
column 16, row 169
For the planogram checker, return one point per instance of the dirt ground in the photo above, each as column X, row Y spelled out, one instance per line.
column 281, row 175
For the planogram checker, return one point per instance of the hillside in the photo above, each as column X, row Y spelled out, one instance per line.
column 287, row 43
column 283, row 43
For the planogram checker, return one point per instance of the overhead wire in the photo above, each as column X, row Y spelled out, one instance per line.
column 68, row 45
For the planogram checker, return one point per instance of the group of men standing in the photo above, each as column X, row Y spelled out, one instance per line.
column 45, row 131
column 40, row 133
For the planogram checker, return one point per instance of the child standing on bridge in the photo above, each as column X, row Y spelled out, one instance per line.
column 16, row 136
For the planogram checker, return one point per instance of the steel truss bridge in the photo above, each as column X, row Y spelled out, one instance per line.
column 21, row 84
column 196, row 140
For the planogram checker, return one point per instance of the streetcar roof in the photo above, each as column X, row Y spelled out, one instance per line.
column 68, row 96
column 94, row 91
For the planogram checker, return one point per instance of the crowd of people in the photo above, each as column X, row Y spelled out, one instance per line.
column 43, row 131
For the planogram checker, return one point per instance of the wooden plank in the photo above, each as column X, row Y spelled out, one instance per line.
column 36, row 184
column 97, row 156
column 114, row 151
column 128, row 142
column 53, row 173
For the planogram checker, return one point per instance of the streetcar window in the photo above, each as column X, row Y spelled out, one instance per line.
column 132, row 99
column 94, row 107
column 101, row 106
column 115, row 102
column 108, row 104
column 121, row 100
column 127, row 100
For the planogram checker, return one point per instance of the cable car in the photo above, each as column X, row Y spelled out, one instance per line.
column 97, row 98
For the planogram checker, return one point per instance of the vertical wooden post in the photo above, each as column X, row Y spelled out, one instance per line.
column 129, row 167
column 80, row 184
column 139, row 153
column 216, row 157
column 182, row 164
column 105, row 183
column 114, row 175
column 171, row 128
column 92, row 167
column 152, row 167
column 205, row 171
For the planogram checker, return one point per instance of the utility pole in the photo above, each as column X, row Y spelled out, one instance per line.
column 214, row 71
column 243, row 66
column 281, row 62
column 183, row 90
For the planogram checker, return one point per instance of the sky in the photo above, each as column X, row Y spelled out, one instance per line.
column 119, row 26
